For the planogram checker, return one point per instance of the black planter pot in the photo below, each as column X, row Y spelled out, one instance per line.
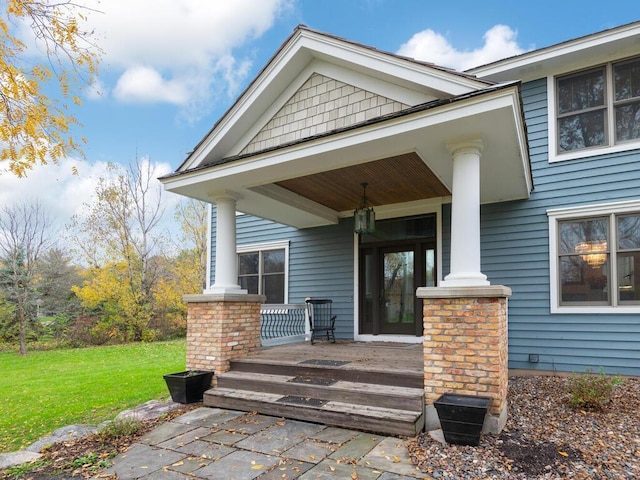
column 461, row 417
column 189, row 386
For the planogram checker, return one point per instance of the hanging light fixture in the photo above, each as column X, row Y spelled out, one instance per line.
column 364, row 216
column 593, row 253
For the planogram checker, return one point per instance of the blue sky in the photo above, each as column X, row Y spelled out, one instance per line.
column 172, row 67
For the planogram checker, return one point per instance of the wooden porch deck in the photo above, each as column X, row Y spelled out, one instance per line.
column 374, row 387
column 375, row 357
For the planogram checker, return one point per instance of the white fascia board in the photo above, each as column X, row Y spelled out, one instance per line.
column 283, row 61
column 398, row 67
column 505, row 98
column 510, row 66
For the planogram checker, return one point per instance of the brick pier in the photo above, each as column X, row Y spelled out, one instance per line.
column 220, row 328
column 465, row 348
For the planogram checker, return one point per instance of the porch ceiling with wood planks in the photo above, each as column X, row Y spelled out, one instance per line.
column 402, row 178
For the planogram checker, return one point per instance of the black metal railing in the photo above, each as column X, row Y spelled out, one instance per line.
column 283, row 323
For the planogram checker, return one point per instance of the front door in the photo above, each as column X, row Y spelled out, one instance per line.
column 390, row 271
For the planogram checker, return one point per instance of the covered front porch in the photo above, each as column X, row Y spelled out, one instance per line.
column 324, row 117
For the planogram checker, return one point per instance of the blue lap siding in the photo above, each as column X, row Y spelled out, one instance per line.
column 515, row 252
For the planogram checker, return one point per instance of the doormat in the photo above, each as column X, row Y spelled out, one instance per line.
column 325, row 382
column 324, row 363
column 307, row 401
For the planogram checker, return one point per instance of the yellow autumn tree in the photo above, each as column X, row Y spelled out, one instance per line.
column 36, row 128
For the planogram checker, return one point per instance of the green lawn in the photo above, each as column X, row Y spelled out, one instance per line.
column 44, row 391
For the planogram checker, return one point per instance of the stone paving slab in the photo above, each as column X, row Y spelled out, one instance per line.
column 208, row 417
column 279, row 437
column 239, row 465
column 164, row 474
column 166, row 432
column 357, row 447
column 223, row 437
column 249, row 423
column 189, row 465
column 312, row 451
column 287, row 469
column 331, row 469
column 175, row 443
column 391, row 455
column 395, row 476
column 335, row 435
column 200, row 448
column 142, row 460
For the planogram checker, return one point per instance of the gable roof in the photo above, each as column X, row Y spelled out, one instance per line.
column 308, row 51
column 604, row 46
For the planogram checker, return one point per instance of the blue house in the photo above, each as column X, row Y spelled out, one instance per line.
column 524, row 173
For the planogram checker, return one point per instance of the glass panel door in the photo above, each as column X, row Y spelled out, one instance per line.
column 393, row 262
column 398, row 292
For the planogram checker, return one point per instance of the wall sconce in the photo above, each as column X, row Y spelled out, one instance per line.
column 364, row 216
column 593, row 253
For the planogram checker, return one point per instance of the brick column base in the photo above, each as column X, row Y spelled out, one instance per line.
column 220, row 328
column 465, row 348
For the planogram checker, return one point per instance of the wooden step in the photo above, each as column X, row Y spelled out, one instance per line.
column 388, row 421
column 384, row 396
column 349, row 371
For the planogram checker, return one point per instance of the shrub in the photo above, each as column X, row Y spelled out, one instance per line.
column 592, row 391
column 119, row 429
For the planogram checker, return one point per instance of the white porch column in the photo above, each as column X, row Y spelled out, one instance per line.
column 226, row 273
column 465, row 216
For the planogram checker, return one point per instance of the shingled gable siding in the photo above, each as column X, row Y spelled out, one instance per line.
column 320, row 261
column 515, row 252
column 322, row 104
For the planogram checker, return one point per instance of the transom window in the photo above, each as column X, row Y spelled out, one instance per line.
column 262, row 270
column 599, row 107
column 596, row 258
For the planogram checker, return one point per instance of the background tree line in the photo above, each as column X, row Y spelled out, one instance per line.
column 113, row 275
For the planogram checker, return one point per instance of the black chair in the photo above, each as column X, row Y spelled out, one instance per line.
column 321, row 318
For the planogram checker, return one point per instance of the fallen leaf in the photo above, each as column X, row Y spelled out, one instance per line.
column 177, row 464
column 564, row 454
column 257, row 467
column 354, row 476
column 396, row 459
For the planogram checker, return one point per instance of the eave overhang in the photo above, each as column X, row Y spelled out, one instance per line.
column 425, row 131
column 608, row 45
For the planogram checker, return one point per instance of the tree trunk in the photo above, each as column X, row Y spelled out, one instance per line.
column 23, row 330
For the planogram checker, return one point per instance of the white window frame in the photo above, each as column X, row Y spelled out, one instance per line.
column 263, row 247
column 552, row 119
column 585, row 211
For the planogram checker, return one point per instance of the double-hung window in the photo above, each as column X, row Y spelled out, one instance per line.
column 262, row 269
column 595, row 258
column 597, row 108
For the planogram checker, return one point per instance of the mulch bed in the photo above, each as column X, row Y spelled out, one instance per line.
column 545, row 438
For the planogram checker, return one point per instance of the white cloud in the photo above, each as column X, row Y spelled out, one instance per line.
column 174, row 51
column 145, row 84
column 64, row 194
column 499, row 42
